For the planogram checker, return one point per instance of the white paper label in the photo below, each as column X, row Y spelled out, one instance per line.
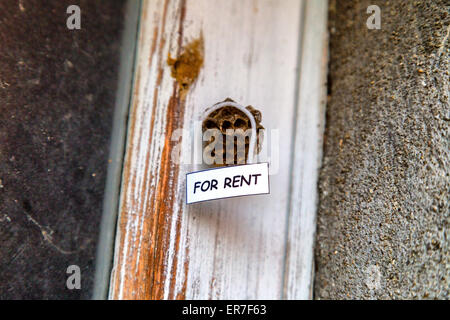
column 227, row 182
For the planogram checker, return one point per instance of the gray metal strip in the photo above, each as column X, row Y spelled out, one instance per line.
column 105, row 247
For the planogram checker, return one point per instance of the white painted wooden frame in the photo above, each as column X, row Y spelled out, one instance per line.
column 270, row 54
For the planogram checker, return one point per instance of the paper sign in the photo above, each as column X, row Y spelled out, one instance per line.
column 227, row 182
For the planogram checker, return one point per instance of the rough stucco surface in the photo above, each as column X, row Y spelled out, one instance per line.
column 57, row 90
column 383, row 220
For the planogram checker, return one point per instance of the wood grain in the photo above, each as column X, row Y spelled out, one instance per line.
column 307, row 153
column 225, row 249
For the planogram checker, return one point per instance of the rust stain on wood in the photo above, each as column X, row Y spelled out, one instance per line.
column 163, row 206
column 186, row 67
column 142, row 258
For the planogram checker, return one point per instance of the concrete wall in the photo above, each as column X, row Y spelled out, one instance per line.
column 57, row 91
column 383, row 221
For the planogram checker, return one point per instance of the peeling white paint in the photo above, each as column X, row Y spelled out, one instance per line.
column 232, row 248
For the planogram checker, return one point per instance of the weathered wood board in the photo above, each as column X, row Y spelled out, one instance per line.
column 257, row 247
